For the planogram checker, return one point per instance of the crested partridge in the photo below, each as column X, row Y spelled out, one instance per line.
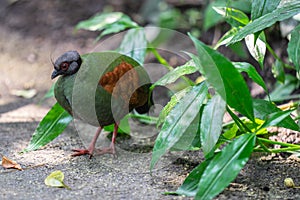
column 100, row 89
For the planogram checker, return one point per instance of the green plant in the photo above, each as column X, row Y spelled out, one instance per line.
column 193, row 118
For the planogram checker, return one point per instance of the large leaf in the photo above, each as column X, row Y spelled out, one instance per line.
column 225, row 166
column 190, row 185
column 275, row 118
column 173, row 101
column 263, row 108
column 112, row 22
column 53, row 124
column 188, row 68
column 227, row 81
column 282, row 12
column 294, row 48
column 252, row 73
column 190, row 139
column 262, row 7
column 211, row 123
column 134, row 44
column 178, row 121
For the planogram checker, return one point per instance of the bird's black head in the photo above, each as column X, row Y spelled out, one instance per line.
column 67, row 64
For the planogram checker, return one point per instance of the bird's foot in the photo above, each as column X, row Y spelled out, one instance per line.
column 109, row 150
column 80, row 152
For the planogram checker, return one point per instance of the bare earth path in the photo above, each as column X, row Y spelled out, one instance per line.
column 31, row 32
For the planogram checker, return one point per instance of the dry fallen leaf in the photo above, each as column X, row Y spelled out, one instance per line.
column 7, row 163
column 55, row 179
column 27, row 94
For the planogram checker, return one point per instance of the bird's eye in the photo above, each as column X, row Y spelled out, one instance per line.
column 64, row 66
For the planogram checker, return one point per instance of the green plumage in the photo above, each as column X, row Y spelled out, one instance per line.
column 82, row 96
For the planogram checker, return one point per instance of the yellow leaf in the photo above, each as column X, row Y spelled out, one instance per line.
column 55, row 179
column 7, row 163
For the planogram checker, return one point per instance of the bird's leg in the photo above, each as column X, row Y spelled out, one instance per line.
column 91, row 147
column 111, row 149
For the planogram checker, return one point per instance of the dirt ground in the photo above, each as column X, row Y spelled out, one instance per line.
column 33, row 31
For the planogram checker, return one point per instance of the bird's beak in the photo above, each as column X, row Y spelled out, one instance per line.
column 55, row 73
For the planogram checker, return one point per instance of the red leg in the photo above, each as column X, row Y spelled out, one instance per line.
column 111, row 149
column 91, row 147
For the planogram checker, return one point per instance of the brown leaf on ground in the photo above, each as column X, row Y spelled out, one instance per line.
column 7, row 163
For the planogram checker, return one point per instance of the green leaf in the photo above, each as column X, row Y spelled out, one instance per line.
column 134, row 44
column 257, row 47
column 188, row 68
column 226, row 37
column 56, row 179
column 190, row 185
column 227, row 81
column 233, row 16
column 225, row 166
column 211, row 18
column 52, row 125
column 294, row 48
column 263, row 108
column 278, row 71
column 178, row 120
column 275, row 118
column 190, row 139
column 196, row 61
column 231, row 133
column 282, row 12
column 252, row 73
column 109, row 22
column 143, row 118
column 211, row 123
column 262, row 7
column 173, row 101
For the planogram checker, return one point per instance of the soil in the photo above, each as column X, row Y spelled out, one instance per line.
column 31, row 33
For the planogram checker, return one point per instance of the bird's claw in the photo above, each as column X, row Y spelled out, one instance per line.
column 80, row 152
column 108, row 150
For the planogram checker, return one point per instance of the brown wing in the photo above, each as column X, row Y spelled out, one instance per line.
column 126, row 78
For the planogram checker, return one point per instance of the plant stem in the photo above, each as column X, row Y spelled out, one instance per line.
column 279, row 143
column 272, row 52
column 161, row 60
column 263, row 146
column 238, row 121
column 148, row 119
column 278, row 150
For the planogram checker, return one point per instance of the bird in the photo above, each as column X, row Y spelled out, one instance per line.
column 100, row 88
